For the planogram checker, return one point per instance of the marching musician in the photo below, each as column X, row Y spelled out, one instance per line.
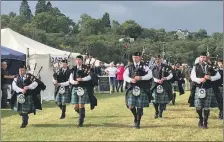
column 79, row 79
column 138, row 76
column 161, row 87
column 204, row 91
column 62, row 90
column 23, row 100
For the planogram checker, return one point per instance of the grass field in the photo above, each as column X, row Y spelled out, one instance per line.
column 112, row 121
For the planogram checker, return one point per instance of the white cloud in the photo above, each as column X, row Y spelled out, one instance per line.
column 173, row 3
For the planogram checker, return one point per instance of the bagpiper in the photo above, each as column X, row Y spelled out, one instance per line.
column 79, row 79
column 26, row 95
column 161, row 87
column 220, row 84
column 62, row 87
column 137, row 75
column 204, row 91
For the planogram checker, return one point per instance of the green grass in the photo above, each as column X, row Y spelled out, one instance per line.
column 112, row 121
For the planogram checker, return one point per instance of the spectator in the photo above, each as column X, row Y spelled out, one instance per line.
column 5, row 84
column 120, row 72
column 111, row 72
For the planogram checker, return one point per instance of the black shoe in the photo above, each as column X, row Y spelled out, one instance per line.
column 156, row 115
column 80, row 125
column 220, row 115
column 200, row 124
column 205, row 126
column 160, row 115
column 23, row 125
column 62, row 116
column 137, row 126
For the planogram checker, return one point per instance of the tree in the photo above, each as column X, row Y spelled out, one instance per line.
column 48, row 6
column 201, row 34
column 5, row 20
column 106, row 20
column 40, row 6
column 25, row 10
column 12, row 14
column 116, row 28
column 131, row 29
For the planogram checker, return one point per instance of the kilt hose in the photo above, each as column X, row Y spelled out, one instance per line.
column 63, row 98
column 208, row 101
column 26, row 107
column 221, row 90
column 137, row 101
column 75, row 99
column 162, row 98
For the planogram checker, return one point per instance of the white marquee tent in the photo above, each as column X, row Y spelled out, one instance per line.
column 39, row 53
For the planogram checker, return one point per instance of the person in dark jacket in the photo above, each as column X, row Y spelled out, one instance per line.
column 204, row 91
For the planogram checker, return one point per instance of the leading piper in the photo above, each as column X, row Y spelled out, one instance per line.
column 138, row 76
column 23, row 100
column 79, row 79
column 62, row 90
column 204, row 92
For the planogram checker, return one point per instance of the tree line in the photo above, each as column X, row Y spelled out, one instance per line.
column 106, row 39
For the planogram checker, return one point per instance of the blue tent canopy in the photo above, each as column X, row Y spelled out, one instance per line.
column 8, row 54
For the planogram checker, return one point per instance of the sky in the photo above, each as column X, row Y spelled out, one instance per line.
column 170, row 15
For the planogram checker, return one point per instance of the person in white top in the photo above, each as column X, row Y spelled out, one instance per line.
column 111, row 72
column 62, row 92
column 204, row 91
column 79, row 79
column 138, row 76
column 19, row 86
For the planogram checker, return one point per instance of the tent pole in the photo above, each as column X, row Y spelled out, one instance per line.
column 27, row 60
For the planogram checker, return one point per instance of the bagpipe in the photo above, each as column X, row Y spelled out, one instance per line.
column 30, row 78
column 90, row 70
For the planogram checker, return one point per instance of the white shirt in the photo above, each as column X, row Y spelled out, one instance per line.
column 17, row 89
column 197, row 80
column 148, row 76
column 112, row 71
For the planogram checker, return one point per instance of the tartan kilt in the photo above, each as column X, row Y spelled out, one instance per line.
column 63, row 98
column 75, row 99
column 137, row 101
column 208, row 101
column 162, row 98
column 26, row 107
column 175, row 87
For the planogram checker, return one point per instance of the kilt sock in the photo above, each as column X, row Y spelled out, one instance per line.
column 63, row 112
column 200, row 123
column 220, row 105
column 81, row 116
column 206, row 115
column 134, row 112
column 161, row 108
column 174, row 98
column 156, row 106
column 59, row 105
column 25, row 118
column 139, row 116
